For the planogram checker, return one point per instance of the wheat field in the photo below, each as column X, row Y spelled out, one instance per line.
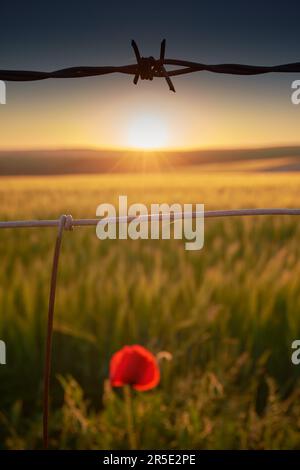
column 227, row 315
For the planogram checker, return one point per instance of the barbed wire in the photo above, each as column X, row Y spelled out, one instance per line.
column 147, row 68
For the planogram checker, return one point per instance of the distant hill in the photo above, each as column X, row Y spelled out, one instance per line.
column 80, row 161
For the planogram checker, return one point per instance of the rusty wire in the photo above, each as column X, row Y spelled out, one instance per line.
column 147, row 68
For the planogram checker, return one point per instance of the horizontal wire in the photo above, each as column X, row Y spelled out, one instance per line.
column 71, row 72
column 146, row 68
column 143, row 218
column 186, row 68
column 233, row 69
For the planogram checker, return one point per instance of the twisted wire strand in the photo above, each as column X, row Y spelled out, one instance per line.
column 132, row 69
column 147, row 68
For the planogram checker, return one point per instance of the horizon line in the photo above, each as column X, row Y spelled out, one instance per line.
column 154, row 150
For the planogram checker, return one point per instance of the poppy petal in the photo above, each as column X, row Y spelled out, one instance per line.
column 135, row 366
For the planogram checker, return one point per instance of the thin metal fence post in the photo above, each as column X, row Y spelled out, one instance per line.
column 65, row 222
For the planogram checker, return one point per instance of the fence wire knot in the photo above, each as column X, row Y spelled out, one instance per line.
column 149, row 67
column 68, row 222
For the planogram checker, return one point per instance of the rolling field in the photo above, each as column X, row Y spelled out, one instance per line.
column 227, row 315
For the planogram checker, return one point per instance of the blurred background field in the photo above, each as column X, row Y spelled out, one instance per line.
column 227, row 314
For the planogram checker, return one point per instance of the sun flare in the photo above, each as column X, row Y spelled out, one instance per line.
column 147, row 132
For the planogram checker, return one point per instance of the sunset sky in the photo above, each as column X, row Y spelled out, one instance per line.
column 110, row 112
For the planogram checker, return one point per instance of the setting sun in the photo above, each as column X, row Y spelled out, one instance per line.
column 147, row 132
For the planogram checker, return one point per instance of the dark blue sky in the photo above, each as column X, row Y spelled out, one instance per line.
column 49, row 34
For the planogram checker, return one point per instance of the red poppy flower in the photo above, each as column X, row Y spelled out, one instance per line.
column 135, row 366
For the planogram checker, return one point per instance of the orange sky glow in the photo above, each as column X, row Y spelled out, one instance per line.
column 118, row 115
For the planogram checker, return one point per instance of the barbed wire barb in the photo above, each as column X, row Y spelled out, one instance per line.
column 148, row 67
